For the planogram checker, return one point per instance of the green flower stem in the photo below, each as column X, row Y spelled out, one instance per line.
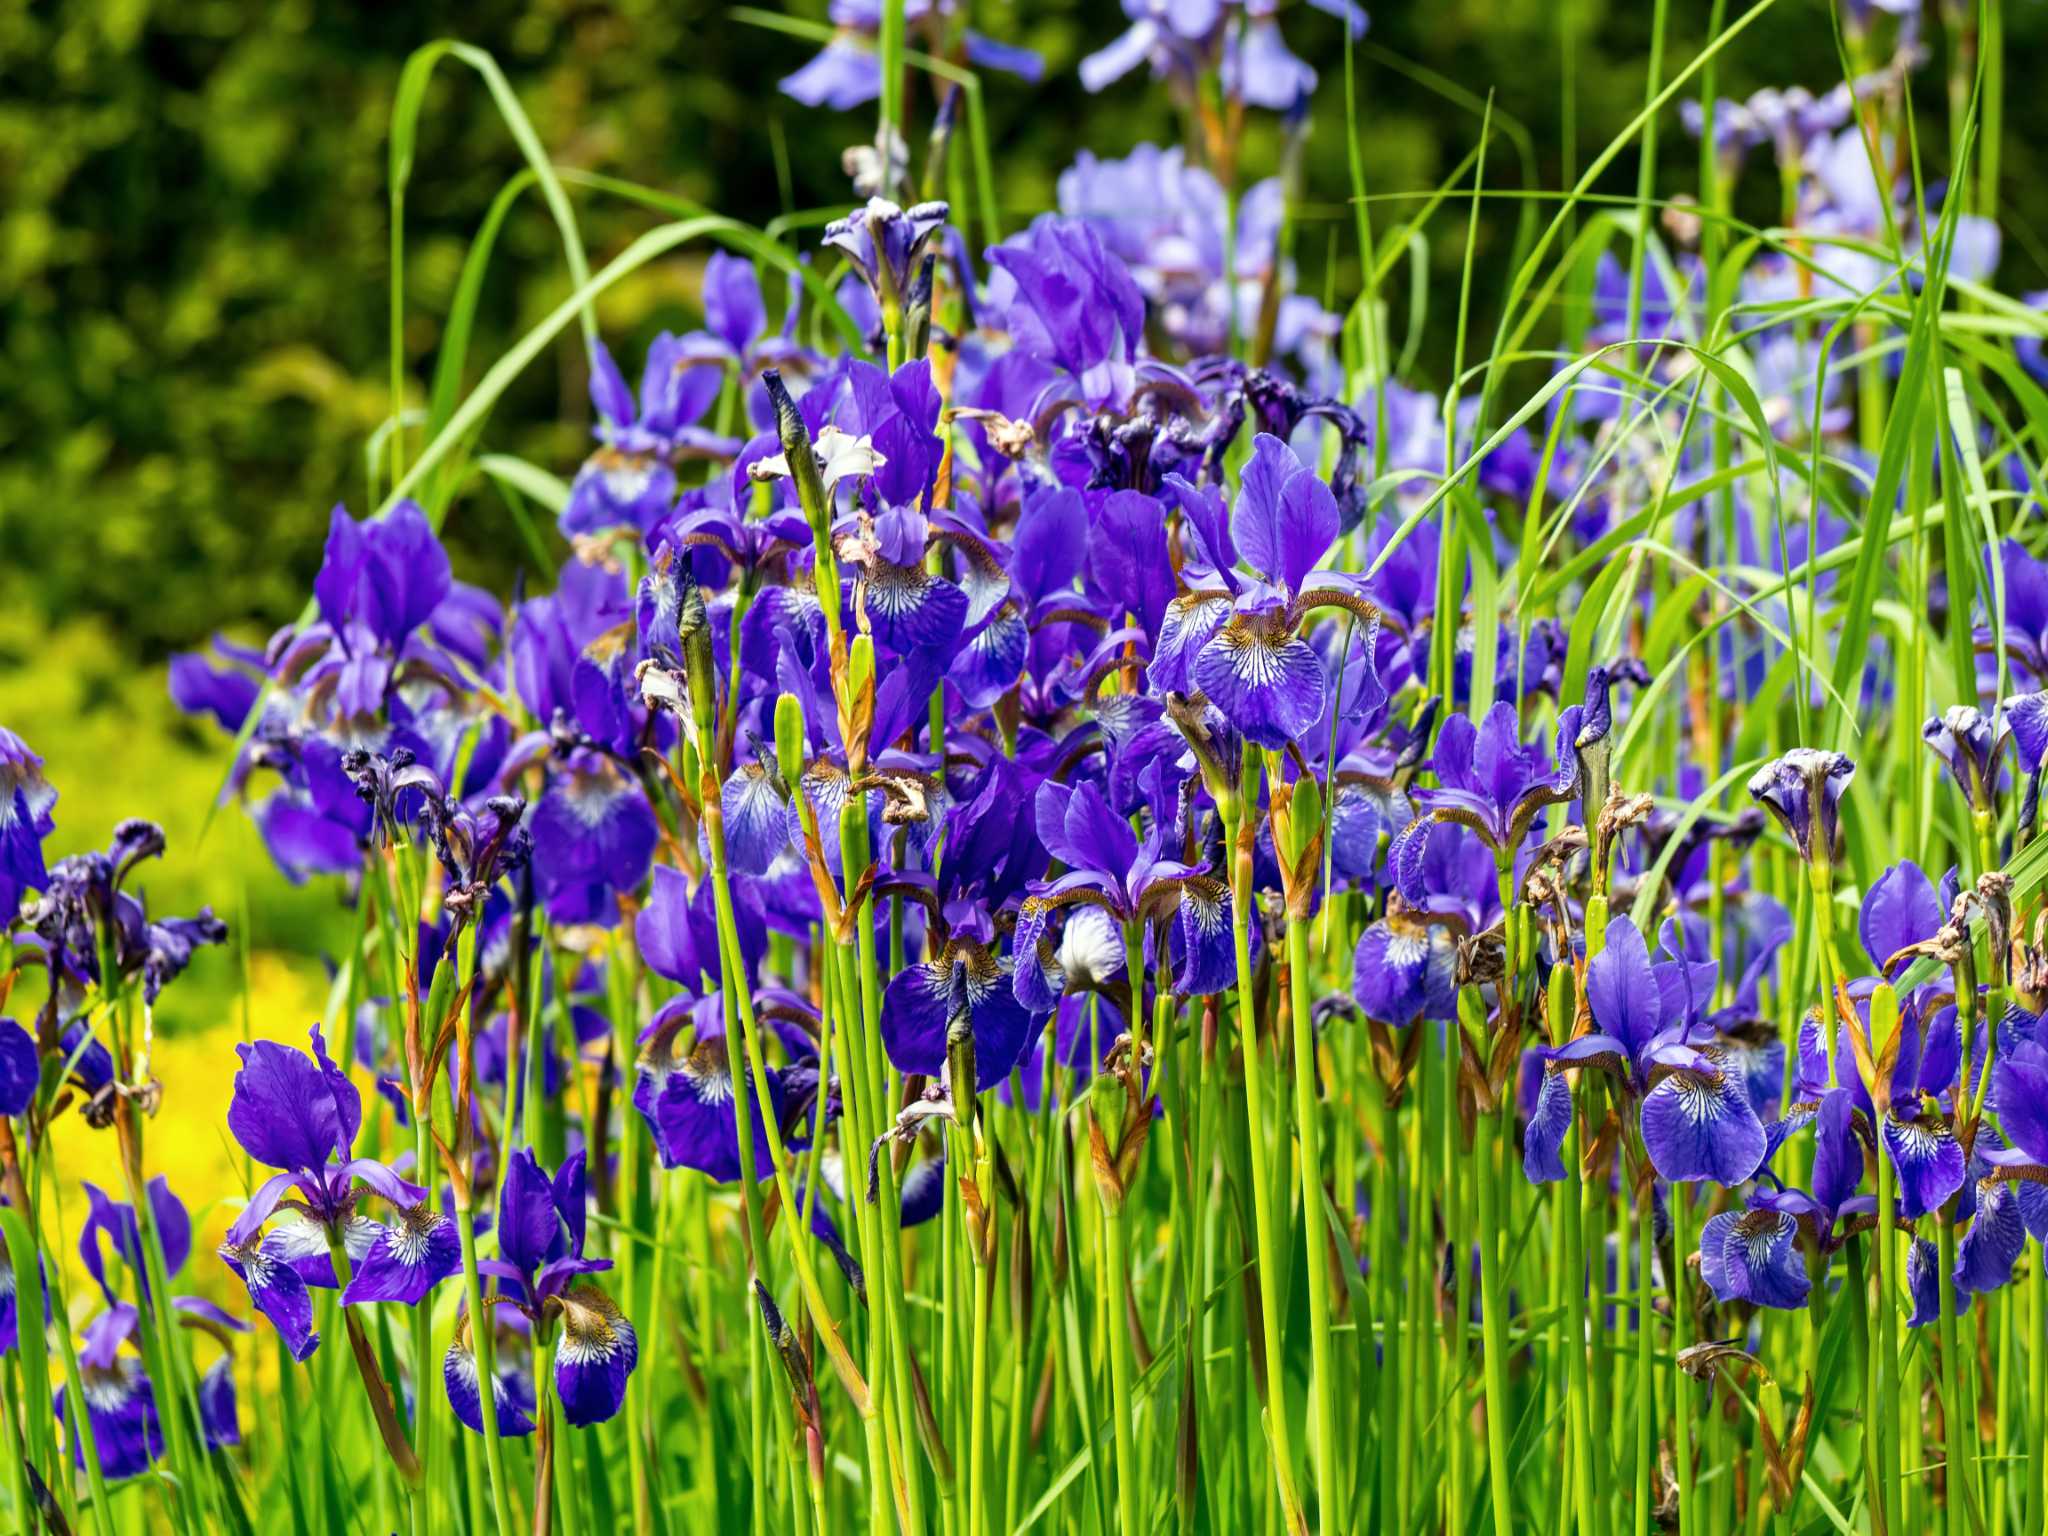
column 1683, row 1242
column 1239, row 835
column 1645, row 1395
column 1491, row 1139
column 1132, row 1502
column 1890, row 1507
column 1961, row 1504
column 483, row 1344
column 376, row 1389
column 1331, row 1514
column 546, row 1484
column 862, row 992
column 1571, row 1233
column 2037, row 1394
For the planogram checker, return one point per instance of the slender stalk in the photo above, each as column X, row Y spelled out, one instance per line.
column 1580, row 1417
column 1961, row 1513
column 1331, row 1514
column 483, row 1345
column 1239, row 832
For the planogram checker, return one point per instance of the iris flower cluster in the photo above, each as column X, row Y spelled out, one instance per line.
column 1089, row 730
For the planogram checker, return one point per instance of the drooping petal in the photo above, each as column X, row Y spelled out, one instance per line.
column 121, row 1407
column 1267, row 681
column 910, row 609
column 278, row 1292
column 1753, row 1256
column 1392, row 971
column 1837, row 1155
column 412, row 1254
column 914, row 1017
column 1987, row 1252
column 597, row 1352
column 2020, row 1082
column 756, row 819
column 689, row 1105
column 219, row 1414
column 460, row 1376
column 1543, row 1139
column 1206, row 932
column 1923, row 1282
column 1698, row 1125
column 1928, row 1161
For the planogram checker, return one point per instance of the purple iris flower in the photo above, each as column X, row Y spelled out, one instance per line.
column 512, row 1394
column 1803, row 789
column 2026, row 612
column 593, row 836
column 1491, row 782
column 84, row 915
column 379, row 581
column 1754, row 1255
column 1697, row 1119
column 1244, row 633
column 1131, row 880
column 686, row 1096
column 299, row 1114
column 1067, row 300
column 25, row 802
column 120, row 1399
column 1405, row 964
column 1968, row 744
column 630, row 480
column 887, row 244
column 1923, row 1283
column 846, row 73
column 1915, row 1133
column 1181, row 38
column 540, row 1269
column 21, row 1069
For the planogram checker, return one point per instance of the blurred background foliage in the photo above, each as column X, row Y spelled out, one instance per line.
column 194, row 262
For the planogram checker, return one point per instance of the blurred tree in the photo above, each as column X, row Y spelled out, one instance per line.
column 194, row 247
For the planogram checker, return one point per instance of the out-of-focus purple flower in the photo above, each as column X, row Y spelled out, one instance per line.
column 1066, row 300
column 687, row 1096
column 1181, row 38
column 593, row 837
column 25, row 802
column 630, row 480
column 846, row 72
